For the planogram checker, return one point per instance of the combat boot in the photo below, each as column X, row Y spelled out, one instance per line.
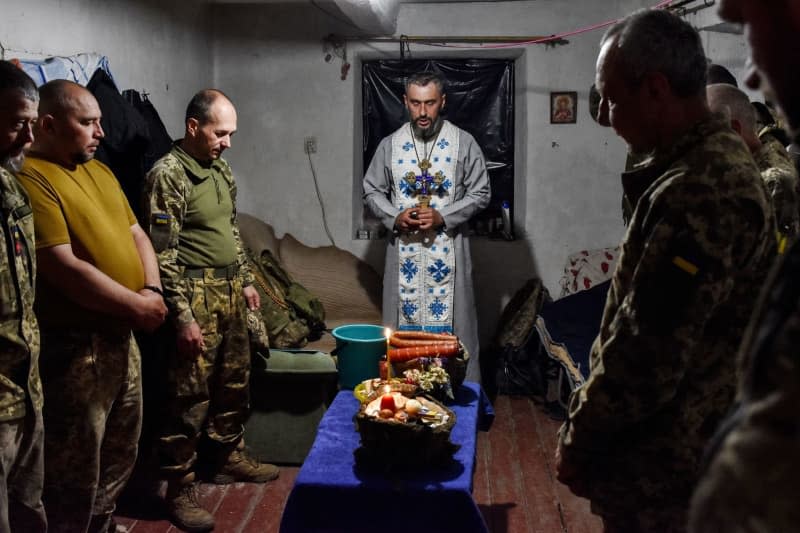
column 239, row 465
column 184, row 506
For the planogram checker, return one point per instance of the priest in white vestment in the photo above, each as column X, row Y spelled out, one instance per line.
column 425, row 181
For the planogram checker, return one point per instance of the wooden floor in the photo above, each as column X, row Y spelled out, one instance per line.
column 514, row 486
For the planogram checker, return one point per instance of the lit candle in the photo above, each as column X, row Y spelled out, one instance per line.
column 388, row 333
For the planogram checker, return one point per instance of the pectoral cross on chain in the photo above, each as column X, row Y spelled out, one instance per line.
column 424, row 185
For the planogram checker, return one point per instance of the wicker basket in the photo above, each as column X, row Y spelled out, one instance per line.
column 392, row 445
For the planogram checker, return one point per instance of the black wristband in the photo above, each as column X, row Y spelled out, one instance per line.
column 154, row 289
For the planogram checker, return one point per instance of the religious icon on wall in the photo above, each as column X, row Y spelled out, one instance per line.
column 563, row 107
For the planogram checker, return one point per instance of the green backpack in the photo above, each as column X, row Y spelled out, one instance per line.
column 292, row 314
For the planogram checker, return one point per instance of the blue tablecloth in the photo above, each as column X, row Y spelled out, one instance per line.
column 331, row 494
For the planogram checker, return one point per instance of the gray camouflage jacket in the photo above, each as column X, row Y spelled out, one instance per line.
column 663, row 372
column 19, row 330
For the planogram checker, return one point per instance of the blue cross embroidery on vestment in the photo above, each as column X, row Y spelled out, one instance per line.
column 408, row 146
column 448, row 159
column 406, row 189
column 409, row 269
column 399, row 161
column 437, row 308
column 443, row 144
column 436, row 159
column 409, row 309
column 438, row 270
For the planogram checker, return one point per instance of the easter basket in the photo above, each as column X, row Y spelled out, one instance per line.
column 404, row 442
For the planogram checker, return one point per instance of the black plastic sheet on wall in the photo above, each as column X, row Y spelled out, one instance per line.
column 480, row 100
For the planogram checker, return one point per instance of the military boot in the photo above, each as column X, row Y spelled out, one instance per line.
column 184, row 506
column 239, row 465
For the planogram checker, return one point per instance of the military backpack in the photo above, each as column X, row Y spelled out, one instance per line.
column 292, row 314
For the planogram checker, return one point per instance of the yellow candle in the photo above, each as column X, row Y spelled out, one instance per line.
column 388, row 333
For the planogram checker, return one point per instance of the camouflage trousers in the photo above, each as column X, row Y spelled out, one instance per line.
column 22, row 474
column 208, row 395
column 93, row 417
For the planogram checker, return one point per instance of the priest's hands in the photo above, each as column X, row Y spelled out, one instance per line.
column 418, row 218
column 429, row 218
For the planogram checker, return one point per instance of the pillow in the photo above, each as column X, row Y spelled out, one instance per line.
column 347, row 286
column 257, row 235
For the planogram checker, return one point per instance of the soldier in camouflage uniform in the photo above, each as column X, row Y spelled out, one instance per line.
column 772, row 159
column 753, row 481
column 21, row 437
column 98, row 279
column 190, row 208
column 697, row 249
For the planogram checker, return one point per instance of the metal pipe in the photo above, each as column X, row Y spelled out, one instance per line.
column 475, row 39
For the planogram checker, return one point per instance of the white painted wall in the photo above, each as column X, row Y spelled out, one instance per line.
column 269, row 59
column 161, row 47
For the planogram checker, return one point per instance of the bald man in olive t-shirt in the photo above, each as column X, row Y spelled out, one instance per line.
column 98, row 281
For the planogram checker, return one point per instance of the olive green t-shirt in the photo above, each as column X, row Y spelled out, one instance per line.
column 86, row 208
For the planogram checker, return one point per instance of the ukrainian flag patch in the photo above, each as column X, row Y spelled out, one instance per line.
column 685, row 265
column 161, row 219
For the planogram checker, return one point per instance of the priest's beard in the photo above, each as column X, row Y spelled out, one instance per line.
column 426, row 134
column 13, row 164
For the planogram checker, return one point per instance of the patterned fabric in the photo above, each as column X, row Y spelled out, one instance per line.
column 208, row 395
column 587, row 268
column 752, row 481
column 696, row 253
column 780, row 177
column 78, row 68
column 167, row 197
column 426, row 260
column 19, row 330
column 93, row 417
column 22, row 474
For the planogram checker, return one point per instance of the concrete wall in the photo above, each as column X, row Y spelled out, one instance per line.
column 160, row 47
column 269, row 58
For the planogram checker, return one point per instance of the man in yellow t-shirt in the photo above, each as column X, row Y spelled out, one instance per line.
column 98, row 280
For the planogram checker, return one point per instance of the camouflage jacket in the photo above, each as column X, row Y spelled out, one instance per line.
column 663, row 373
column 167, row 192
column 758, row 446
column 780, row 177
column 19, row 331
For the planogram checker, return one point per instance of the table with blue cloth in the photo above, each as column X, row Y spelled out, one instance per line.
column 333, row 494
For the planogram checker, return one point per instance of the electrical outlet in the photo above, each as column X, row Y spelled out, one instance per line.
column 310, row 145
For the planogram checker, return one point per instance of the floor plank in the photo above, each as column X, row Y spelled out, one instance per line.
column 539, row 493
column 577, row 516
column 266, row 513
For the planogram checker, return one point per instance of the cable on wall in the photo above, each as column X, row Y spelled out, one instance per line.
column 319, row 199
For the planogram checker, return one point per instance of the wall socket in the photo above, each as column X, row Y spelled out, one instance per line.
column 310, row 145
